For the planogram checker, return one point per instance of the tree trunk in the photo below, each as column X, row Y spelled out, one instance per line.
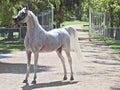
column 117, row 36
column 111, row 23
column 58, row 24
column 78, row 14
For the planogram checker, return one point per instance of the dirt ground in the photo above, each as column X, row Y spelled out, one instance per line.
column 98, row 70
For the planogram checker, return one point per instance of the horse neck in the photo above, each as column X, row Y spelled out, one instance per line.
column 33, row 24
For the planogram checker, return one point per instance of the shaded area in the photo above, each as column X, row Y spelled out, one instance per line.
column 19, row 68
column 5, row 51
column 48, row 84
column 5, row 56
column 101, row 51
column 114, row 88
column 107, row 63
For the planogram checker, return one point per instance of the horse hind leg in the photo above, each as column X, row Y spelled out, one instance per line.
column 63, row 62
column 70, row 62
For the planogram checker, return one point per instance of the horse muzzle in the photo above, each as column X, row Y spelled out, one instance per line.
column 16, row 20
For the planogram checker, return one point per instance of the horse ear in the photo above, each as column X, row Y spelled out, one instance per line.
column 26, row 9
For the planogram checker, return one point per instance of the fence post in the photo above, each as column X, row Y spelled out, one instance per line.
column 105, row 27
column 20, row 33
column 89, row 24
column 52, row 16
column 42, row 18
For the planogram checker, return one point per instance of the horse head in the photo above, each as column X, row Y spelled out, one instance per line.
column 21, row 16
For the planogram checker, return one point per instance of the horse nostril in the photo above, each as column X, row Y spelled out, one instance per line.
column 15, row 20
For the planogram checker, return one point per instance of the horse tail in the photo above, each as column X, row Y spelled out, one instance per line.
column 74, row 45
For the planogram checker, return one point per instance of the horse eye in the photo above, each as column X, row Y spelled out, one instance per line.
column 22, row 14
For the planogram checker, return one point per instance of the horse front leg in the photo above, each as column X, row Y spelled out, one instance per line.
column 36, row 54
column 28, row 66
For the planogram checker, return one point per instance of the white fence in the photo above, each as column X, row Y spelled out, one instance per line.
column 46, row 18
column 97, row 24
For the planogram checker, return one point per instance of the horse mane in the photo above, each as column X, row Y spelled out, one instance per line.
column 35, row 19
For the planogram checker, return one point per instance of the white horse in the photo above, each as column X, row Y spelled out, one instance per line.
column 38, row 40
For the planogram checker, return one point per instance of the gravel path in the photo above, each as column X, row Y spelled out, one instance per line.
column 99, row 70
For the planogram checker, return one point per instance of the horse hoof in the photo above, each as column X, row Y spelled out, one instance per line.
column 25, row 81
column 34, row 82
column 71, row 78
column 65, row 78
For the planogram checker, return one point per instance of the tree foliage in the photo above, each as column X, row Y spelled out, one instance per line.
column 111, row 7
column 63, row 9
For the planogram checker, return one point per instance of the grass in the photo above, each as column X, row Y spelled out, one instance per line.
column 65, row 23
column 85, row 24
column 114, row 44
column 11, row 46
column 86, row 28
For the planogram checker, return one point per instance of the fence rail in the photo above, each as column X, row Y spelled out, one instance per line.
column 12, row 33
column 46, row 18
column 7, row 33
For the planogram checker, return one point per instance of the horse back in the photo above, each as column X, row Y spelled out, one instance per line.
column 55, row 39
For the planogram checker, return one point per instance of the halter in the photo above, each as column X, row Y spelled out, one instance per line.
column 21, row 15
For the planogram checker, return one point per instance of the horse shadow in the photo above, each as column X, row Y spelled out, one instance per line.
column 48, row 84
column 115, row 88
column 20, row 68
column 5, row 56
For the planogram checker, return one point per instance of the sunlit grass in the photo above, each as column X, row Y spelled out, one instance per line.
column 85, row 24
column 73, row 22
column 11, row 46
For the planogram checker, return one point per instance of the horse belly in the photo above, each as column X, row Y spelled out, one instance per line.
column 50, row 47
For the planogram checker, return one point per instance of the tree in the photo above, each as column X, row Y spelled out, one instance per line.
column 64, row 9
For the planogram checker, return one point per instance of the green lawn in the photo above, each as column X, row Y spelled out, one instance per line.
column 73, row 22
column 11, row 46
column 85, row 24
column 114, row 44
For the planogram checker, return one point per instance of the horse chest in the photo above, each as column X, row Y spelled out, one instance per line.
column 32, row 44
